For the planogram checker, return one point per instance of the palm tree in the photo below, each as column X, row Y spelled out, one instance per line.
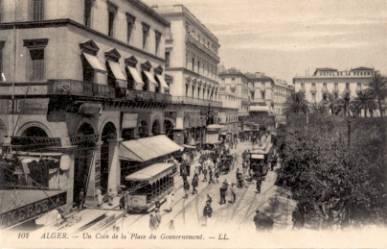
column 364, row 101
column 296, row 104
column 378, row 88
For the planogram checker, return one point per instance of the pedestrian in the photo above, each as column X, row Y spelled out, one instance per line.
column 157, row 205
column 186, row 188
column 169, row 202
column 258, row 183
column 209, row 198
column 239, row 178
column 153, row 222
column 195, row 183
column 232, row 193
column 207, row 212
column 81, row 200
column 262, row 222
column 205, row 173
column 216, row 172
column 211, row 179
column 158, row 217
column 99, row 197
column 223, row 191
column 110, row 197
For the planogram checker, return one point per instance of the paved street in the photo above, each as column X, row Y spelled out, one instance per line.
column 187, row 213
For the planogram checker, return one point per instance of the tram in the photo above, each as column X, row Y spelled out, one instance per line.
column 148, row 186
column 260, row 160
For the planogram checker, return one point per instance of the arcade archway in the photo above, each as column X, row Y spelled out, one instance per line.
column 85, row 139
column 156, row 128
column 109, row 133
column 143, row 129
column 168, row 126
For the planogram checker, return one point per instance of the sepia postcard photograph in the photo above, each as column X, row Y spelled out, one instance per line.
column 193, row 124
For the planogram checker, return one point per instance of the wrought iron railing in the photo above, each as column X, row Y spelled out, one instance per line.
column 194, row 101
column 79, row 88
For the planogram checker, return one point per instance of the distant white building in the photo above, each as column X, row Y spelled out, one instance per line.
column 333, row 81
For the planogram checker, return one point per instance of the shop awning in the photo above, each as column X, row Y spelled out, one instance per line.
column 152, row 173
column 94, row 62
column 162, row 81
column 136, row 77
column 215, row 126
column 189, row 146
column 151, row 78
column 257, row 156
column 145, row 149
column 259, row 108
column 118, row 74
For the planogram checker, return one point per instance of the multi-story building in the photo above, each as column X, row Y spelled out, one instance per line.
column 228, row 115
column 270, row 95
column 81, row 76
column 192, row 59
column 333, row 81
column 238, row 84
column 281, row 92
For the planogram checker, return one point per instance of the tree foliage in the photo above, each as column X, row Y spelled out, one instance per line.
column 336, row 184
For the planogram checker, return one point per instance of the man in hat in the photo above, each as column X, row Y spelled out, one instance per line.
column 195, row 183
column 207, row 212
column 223, row 191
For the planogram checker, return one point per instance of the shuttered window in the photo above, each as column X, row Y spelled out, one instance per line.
column 1, row 60
column 37, row 64
column 130, row 22
column 87, row 13
column 37, row 8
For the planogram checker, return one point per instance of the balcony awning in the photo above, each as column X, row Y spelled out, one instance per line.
column 94, row 62
column 118, row 74
column 162, row 82
column 151, row 78
column 152, row 173
column 145, row 149
column 139, row 84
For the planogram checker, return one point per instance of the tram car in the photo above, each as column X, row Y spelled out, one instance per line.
column 260, row 160
column 149, row 186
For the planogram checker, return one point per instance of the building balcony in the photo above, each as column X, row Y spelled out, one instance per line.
column 190, row 39
column 80, row 89
column 183, row 100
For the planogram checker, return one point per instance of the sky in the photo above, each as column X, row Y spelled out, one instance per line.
column 285, row 38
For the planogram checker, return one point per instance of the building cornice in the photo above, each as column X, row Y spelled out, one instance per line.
column 151, row 12
column 70, row 22
column 187, row 14
column 331, row 78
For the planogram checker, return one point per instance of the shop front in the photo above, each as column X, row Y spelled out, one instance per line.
column 147, row 169
column 33, row 184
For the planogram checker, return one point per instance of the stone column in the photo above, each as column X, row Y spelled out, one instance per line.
column 114, row 180
column 178, row 135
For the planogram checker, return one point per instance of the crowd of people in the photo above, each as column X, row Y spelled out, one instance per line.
column 207, row 169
